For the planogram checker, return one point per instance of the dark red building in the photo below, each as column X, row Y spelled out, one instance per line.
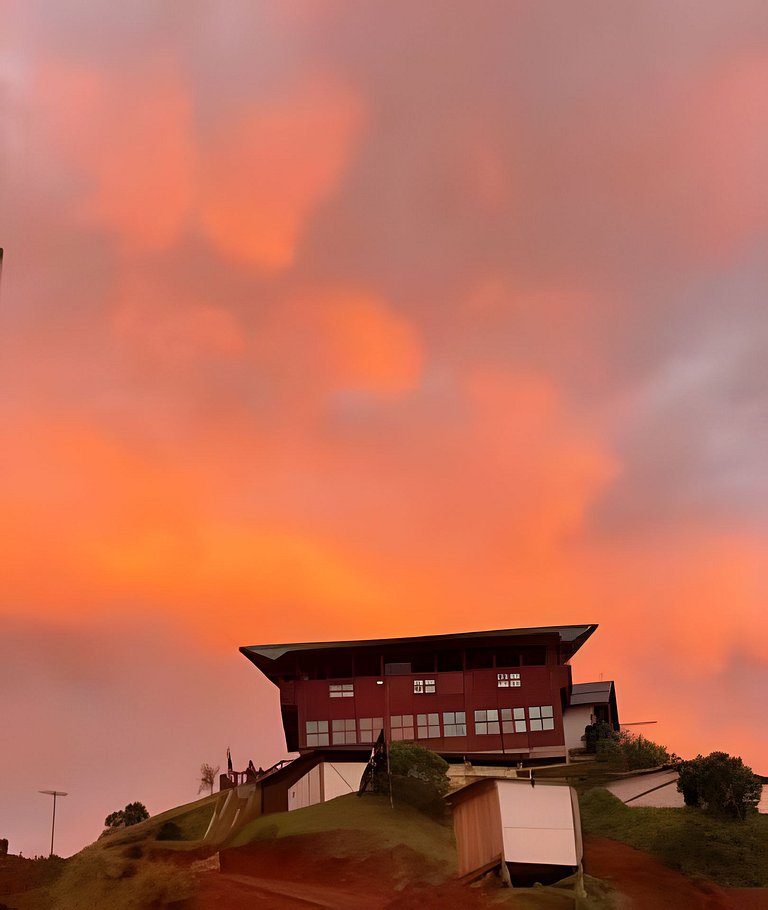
column 498, row 695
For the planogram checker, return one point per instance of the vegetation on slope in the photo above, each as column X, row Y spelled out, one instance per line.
column 370, row 814
column 700, row 845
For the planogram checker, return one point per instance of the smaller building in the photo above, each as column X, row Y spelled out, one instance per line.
column 589, row 703
column 532, row 827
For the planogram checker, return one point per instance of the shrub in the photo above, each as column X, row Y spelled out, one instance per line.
column 625, row 752
column 124, row 818
column 418, row 777
column 593, row 733
column 721, row 784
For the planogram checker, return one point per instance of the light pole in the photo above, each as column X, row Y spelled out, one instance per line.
column 54, row 794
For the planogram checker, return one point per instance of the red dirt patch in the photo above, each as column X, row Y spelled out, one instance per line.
column 644, row 882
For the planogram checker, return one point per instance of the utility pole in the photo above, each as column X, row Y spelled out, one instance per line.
column 54, row 794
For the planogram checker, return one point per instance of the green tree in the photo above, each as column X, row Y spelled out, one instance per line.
column 124, row 818
column 625, row 752
column 721, row 784
column 418, row 776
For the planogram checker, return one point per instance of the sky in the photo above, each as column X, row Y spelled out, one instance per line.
column 324, row 319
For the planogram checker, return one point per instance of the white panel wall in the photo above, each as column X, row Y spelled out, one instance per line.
column 538, row 823
column 342, row 778
column 326, row 781
column 574, row 721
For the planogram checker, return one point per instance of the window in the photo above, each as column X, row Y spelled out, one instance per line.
column 487, row 722
column 541, row 718
column 454, row 723
column 317, row 733
column 507, row 680
column 428, row 726
column 343, row 732
column 513, row 720
column 423, row 687
column 401, row 726
column 369, row 728
column 341, row 690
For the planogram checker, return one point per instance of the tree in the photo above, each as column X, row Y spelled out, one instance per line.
column 417, row 776
column 720, row 784
column 593, row 733
column 207, row 777
column 625, row 752
column 124, row 818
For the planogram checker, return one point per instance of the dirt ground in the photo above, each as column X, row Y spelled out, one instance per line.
column 643, row 882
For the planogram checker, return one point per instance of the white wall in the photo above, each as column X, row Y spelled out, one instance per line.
column 574, row 721
column 325, row 781
column 538, row 823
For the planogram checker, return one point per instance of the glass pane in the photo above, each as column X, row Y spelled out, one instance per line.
column 546, row 711
column 519, row 713
column 548, row 723
column 535, row 725
column 534, row 712
column 493, row 728
column 519, row 726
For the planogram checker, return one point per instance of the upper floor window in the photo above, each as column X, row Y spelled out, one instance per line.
column 487, row 722
column 369, row 728
column 343, row 731
column 454, row 723
column 428, row 726
column 317, row 732
column 541, row 718
column 513, row 720
column 423, row 686
column 507, row 680
column 402, row 726
column 341, row 690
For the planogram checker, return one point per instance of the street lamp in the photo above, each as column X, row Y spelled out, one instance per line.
column 54, row 794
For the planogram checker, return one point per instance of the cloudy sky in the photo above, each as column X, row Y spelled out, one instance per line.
column 327, row 319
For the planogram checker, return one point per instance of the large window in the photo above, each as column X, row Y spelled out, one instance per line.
column 487, row 722
column 541, row 718
column 423, row 687
column 343, row 732
column 428, row 726
column 402, row 727
column 317, row 732
column 341, row 690
column 454, row 723
column 513, row 720
column 369, row 728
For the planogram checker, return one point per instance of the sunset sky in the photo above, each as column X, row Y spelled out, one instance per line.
column 330, row 319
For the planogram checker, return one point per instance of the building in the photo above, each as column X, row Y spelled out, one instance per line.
column 498, row 696
column 591, row 703
column 535, row 831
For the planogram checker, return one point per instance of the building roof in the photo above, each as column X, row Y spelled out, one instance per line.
column 573, row 636
column 592, row 693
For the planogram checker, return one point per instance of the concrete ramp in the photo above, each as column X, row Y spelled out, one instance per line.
column 234, row 808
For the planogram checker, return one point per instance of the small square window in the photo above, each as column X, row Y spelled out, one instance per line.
column 534, row 712
column 535, row 725
column 546, row 711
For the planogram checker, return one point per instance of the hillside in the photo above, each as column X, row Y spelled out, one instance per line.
column 353, row 853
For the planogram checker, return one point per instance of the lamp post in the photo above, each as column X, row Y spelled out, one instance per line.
column 54, row 794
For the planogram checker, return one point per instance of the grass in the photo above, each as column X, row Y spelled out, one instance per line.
column 370, row 814
column 730, row 853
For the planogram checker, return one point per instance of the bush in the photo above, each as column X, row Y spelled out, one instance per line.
column 721, row 784
column 124, row 818
column 418, row 777
column 625, row 752
column 593, row 733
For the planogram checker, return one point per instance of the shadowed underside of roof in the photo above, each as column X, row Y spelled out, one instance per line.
column 575, row 636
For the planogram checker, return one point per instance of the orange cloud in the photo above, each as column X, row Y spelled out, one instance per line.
column 130, row 139
column 269, row 168
column 173, row 330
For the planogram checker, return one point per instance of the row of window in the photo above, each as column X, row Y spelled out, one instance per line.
column 422, row 686
column 488, row 722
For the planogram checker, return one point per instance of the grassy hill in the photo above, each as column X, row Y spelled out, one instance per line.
column 727, row 852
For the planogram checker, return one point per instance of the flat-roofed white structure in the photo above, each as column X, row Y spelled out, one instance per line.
column 534, row 829
column 325, row 781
